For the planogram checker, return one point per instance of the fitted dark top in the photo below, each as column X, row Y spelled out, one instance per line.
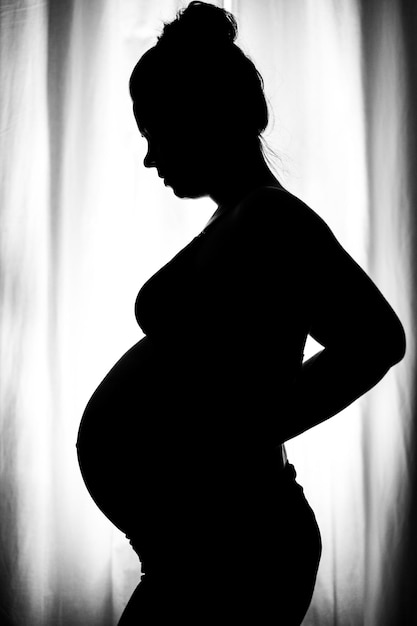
column 234, row 292
column 188, row 419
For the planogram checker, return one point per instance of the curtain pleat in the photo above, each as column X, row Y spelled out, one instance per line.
column 24, row 388
column 387, row 419
column 83, row 225
column 391, row 84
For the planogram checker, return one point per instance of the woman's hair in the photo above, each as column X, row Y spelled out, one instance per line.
column 196, row 75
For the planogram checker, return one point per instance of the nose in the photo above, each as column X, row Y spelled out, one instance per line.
column 149, row 160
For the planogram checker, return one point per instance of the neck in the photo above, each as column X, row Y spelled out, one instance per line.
column 232, row 183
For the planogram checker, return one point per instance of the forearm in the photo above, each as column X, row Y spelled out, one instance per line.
column 329, row 382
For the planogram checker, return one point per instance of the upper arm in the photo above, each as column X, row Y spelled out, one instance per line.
column 349, row 310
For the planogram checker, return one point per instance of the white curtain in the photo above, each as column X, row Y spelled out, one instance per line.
column 83, row 225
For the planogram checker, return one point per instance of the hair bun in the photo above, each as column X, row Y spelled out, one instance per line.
column 200, row 24
column 194, row 66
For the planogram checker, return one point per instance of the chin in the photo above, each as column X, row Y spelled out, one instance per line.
column 186, row 190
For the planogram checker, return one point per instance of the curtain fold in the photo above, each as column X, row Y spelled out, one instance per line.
column 387, row 435
column 24, row 267
column 391, row 82
column 83, row 225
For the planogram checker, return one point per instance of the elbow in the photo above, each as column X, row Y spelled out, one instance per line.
column 391, row 345
column 380, row 347
column 397, row 344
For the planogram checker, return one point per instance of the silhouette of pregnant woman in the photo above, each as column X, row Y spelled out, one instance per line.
column 182, row 444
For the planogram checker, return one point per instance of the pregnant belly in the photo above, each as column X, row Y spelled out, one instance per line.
column 120, row 441
column 139, row 443
column 148, row 446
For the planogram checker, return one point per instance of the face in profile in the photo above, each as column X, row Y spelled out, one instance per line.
column 179, row 153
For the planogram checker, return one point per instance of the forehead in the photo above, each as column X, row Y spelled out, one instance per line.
column 147, row 124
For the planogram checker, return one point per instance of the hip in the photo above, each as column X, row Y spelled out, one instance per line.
column 237, row 529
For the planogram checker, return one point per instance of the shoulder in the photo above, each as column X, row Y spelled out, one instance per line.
column 270, row 228
column 275, row 214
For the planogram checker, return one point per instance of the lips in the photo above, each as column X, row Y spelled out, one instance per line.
column 163, row 177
